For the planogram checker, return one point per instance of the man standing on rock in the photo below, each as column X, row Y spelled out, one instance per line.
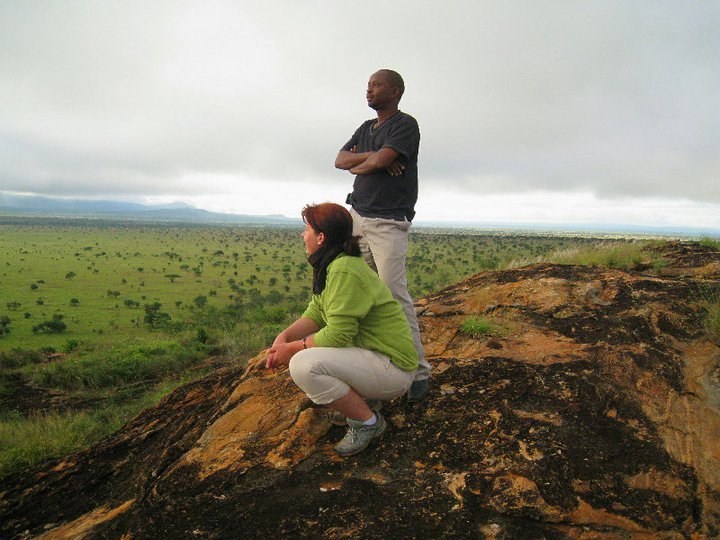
column 382, row 154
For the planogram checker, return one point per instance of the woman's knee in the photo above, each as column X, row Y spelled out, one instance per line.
column 305, row 366
column 299, row 368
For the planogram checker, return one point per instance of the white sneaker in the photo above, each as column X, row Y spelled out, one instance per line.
column 359, row 436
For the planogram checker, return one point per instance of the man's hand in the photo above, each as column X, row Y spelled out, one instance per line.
column 396, row 168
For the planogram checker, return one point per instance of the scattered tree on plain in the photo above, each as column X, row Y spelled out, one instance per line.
column 4, row 325
column 54, row 326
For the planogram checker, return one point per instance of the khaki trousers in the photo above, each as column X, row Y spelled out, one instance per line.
column 384, row 243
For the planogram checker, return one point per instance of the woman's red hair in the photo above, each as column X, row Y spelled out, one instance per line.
column 336, row 223
column 331, row 219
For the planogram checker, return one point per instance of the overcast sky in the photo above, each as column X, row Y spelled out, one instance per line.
column 553, row 111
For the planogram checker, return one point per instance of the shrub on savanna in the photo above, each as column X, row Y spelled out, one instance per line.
column 29, row 441
column 70, row 345
column 54, row 326
column 17, row 358
column 4, row 325
column 713, row 243
column 620, row 255
column 712, row 319
column 118, row 367
column 709, row 299
column 245, row 340
column 476, row 327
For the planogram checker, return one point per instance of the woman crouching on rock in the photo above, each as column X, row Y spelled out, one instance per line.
column 353, row 342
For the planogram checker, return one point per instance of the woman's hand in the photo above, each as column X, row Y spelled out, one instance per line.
column 281, row 338
column 289, row 341
column 279, row 354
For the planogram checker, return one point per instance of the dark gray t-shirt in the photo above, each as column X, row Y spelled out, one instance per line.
column 379, row 194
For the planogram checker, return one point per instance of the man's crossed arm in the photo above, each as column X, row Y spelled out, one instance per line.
column 370, row 162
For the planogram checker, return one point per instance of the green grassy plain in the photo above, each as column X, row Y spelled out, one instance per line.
column 99, row 277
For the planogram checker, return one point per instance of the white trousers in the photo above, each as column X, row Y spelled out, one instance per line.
column 326, row 374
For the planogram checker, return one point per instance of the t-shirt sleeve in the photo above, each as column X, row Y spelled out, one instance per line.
column 353, row 140
column 404, row 137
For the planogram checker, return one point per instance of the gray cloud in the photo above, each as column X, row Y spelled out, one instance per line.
column 614, row 97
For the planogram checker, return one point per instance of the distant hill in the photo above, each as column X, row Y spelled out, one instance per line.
column 49, row 207
column 31, row 205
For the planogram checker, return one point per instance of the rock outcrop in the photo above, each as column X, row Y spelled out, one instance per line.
column 592, row 412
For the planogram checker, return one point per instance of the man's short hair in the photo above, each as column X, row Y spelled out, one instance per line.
column 396, row 81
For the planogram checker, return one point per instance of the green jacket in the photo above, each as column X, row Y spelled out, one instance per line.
column 356, row 309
